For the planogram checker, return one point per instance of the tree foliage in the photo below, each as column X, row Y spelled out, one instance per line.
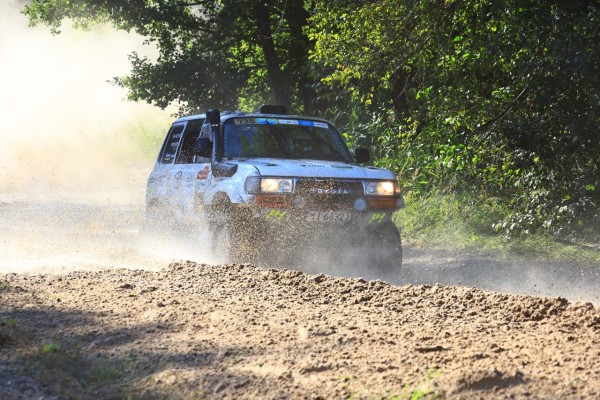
column 499, row 99
column 211, row 53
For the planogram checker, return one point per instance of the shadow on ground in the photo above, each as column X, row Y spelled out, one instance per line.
column 52, row 354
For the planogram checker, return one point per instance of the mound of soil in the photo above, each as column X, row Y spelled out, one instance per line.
column 237, row 331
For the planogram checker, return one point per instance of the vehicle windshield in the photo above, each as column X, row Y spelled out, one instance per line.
column 283, row 138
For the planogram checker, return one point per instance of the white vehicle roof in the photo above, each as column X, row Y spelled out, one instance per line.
column 227, row 114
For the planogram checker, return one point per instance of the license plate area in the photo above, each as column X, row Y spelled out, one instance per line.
column 329, row 216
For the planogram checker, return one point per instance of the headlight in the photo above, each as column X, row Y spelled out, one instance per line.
column 381, row 188
column 275, row 185
column 254, row 184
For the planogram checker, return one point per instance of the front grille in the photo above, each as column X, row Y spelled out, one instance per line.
column 327, row 194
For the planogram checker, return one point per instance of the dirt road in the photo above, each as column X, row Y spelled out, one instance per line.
column 72, row 328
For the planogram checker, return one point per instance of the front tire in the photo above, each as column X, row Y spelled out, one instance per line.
column 385, row 249
column 234, row 235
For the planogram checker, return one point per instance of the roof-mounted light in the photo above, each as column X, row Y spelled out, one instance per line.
column 272, row 109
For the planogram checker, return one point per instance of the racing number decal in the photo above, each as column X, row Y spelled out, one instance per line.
column 377, row 218
column 276, row 214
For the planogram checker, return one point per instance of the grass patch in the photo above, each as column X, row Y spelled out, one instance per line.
column 52, row 347
column 424, row 388
column 101, row 372
column 7, row 330
column 62, row 367
column 462, row 223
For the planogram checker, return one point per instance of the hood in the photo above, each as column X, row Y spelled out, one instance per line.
column 314, row 169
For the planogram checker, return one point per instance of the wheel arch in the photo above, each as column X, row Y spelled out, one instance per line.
column 221, row 201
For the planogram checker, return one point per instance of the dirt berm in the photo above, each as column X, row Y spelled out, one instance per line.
column 236, row 331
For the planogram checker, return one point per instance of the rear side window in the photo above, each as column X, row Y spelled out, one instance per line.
column 186, row 149
column 167, row 154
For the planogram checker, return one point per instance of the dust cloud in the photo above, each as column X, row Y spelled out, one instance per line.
column 74, row 155
column 66, row 133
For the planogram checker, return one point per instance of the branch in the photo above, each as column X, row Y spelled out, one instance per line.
column 184, row 4
column 493, row 122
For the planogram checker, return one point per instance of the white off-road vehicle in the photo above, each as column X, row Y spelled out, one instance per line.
column 272, row 185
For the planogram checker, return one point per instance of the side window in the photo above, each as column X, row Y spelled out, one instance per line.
column 186, row 150
column 167, row 154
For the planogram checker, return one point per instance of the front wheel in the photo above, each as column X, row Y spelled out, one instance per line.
column 235, row 236
column 385, row 249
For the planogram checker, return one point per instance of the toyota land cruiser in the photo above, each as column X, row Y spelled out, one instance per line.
column 273, row 183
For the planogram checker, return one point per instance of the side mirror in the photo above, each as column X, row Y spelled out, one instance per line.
column 223, row 170
column 203, row 147
column 362, row 155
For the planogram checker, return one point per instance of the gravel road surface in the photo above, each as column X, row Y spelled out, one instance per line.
column 88, row 311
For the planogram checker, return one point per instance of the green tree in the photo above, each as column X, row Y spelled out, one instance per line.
column 211, row 53
column 500, row 98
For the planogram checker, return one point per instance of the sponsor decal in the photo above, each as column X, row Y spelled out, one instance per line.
column 342, row 166
column 245, row 121
column 177, row 179
column 201, row 184
column 276, row 214
column 377, row 218
column 203, row 173
column 202, row 177
column 275, row 121
column 168, row 158
column 163, row 177
column 267, row 121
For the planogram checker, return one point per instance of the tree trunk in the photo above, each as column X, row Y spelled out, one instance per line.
column 274, row 73
column 297, row 17
column 401, row 82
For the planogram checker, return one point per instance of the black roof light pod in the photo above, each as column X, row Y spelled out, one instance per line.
column 272, row 109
